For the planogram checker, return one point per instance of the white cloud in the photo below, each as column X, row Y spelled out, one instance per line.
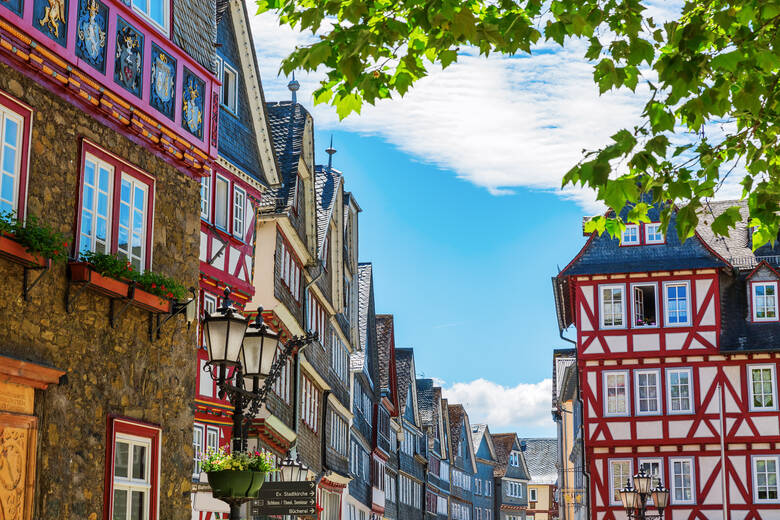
column 524, row 408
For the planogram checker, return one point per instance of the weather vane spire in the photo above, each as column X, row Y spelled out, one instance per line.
column 294, row 86
column 330, row 151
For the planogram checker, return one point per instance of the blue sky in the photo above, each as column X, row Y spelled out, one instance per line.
column 463, row 216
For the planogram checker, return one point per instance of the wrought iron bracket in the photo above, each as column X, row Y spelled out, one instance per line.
column 113, row 316
column 71, row 296
column 176, row 309
column 27, row 285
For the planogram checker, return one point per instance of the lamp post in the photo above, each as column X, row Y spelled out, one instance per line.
column 254, row 353
column 635, row 497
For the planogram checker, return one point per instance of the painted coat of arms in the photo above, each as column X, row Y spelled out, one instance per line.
column 91, row 43
column 51, row 18
column 16, row 6
column 163, row 79
column 128, row 61
column 192, row 106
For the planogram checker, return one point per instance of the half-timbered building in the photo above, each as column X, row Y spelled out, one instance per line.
column 677, row 362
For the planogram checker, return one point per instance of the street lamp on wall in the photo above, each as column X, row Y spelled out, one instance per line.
column 293, row 470
column 634, row 497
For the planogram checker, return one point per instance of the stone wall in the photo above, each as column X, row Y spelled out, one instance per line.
column 108, row 371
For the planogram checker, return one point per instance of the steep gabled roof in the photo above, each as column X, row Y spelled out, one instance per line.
column 385, row 347
column 459, row 422
column 327, row 182
column 365, row 281
column 404, row 362
column 425, row 401
column 288, row 124
column 480, row 432
column 541, row 456
column 503, row 443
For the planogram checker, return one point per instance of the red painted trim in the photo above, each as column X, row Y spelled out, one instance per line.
column 26, row 113
column 752, row 315
column 118, row 424
column 762, row 263
column 120, row 166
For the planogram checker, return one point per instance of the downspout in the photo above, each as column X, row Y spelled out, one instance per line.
column 323, row 442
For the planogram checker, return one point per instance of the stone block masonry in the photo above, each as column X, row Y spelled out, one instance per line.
column 109, row 371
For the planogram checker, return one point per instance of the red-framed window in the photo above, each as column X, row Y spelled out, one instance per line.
column 290, row 270
column 643, row 234
column 310, row 404
column 132, row 470
column 115, row 207
column 15, row 128
column 764, row 301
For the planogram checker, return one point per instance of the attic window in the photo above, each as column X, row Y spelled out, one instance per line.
column 644, row 304
column 764, row 296
column 653, row 233
column 229, row 78
column 630, row 235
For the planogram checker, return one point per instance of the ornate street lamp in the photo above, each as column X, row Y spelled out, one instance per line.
column 251, row 351
column 293, row 470
column 635, row 497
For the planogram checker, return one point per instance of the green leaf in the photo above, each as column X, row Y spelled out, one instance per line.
column 727, row 61
column 726, row 220
column 347, row 104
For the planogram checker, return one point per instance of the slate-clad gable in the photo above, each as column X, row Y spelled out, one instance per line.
column 288, row 123
column 541, row 456
column 237, row 137
column 195, row 29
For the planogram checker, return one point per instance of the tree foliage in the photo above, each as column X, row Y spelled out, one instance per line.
column 712, row 73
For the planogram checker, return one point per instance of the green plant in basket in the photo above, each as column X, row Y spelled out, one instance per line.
column 38, row 238
column 119, row 268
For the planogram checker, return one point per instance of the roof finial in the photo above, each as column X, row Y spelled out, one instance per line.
column 330, row 151
column 293, row 86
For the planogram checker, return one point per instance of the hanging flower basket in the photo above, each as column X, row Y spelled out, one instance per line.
column 82, row 272
column 16, row 252
column 235, row 483
column 150, row 302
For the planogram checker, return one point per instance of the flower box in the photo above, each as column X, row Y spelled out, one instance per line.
column 150, row 302
column 82, row 272
column 235, row 483
column 16, row 252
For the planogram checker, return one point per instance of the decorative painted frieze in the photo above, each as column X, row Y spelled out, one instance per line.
column 163, row 81
column 192, row 104
column 91, row 34
column 129, row 56
column 51, row 18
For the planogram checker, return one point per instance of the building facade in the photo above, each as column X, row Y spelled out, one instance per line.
column 388, row 430
column 510, row 478
column 412, row 456
column 485, row 452
column 437, row 471
column 463, row 464
column 541, row 458
column 108, row 124
column 677, row 365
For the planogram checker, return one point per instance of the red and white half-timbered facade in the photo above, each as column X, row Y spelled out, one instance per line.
column 678, row 370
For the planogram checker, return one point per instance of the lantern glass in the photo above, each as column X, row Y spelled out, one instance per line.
column 643, row 482
column 224, row 333
column 259, row 351
column 292, row 471
column 660, row 497
column 629, row 497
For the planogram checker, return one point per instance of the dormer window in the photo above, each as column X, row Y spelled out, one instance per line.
column 229, row 78
column 764, row 296
column 514, row 459
column 630, row 235
column 653, row 234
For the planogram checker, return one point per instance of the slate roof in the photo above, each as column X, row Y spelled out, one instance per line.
column 426, row 401
column 502, row 442
column 195, row 30
column 477, row 432
column 326, row 188
column 457, row 419
column 384, row 340
column 541, row 457
column 365, row 279
column 404, row 358
column 287, row 122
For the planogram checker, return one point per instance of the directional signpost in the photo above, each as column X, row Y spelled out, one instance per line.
column 287, row 498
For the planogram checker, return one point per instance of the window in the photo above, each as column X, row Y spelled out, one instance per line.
column 478, row 513
column 212, row 438
column 106, row 184
column 310, row 404
column 383, row 420
column 338, row 434
column 617, row 393
column 347, row 297
column 648, row 398
column 354, row 458
column 406, row 490
column 762, row 387
column 444, row 471
column 765, row 478
column 239, row 210
column 134, row 455
column 14, row 136
column 682, row 481
column 290, row 270
column 339, row 356
column 620, row 472
column 209, row 307
column 205, row 198
column 514, row 459
column 407, row 445
column 316, row 318
column 487, row 514
column 680, row 387
column 630, row 235
column 229, row 88
column 764, row 301
column 654, row 234
column 677, row 303
column 205, row 383
column 644, row 305
column 417, row 499
column 156, row 11
column 430, row 502
column 221, row 195
column 477, row 486
column 441, row 506
column 389, row 486
column 197, row 449
column 331, row 505
column 612, row 309
column 281, row 386
column 532, row 495
column 378, row 476
column 488, row 488
column 325, row 252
